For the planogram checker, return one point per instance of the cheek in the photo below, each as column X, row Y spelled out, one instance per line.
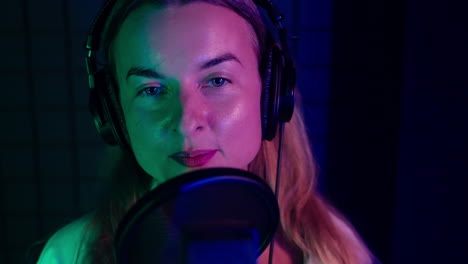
column 152, row 142
column 242, row 117
column 145, row 121
column 150, row 130
column 239, row 129
column 144, row 125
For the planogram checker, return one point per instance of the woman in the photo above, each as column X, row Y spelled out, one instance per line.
column 188, row 87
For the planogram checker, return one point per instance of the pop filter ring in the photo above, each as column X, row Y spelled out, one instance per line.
column 170, row 189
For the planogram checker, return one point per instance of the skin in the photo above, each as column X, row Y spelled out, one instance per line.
column 188, row 108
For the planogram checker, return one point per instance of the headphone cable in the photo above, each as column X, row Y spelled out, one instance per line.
column 277, row 182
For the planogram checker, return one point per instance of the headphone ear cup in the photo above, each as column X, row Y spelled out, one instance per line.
column 271, row 68
column 102, row 109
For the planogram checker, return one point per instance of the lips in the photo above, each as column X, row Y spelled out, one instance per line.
column 194, row 158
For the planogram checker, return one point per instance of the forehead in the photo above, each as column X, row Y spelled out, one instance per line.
column 182, row 36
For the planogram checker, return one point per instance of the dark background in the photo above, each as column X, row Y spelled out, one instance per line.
column 385, row 99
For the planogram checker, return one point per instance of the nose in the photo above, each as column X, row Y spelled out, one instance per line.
column 195, row 112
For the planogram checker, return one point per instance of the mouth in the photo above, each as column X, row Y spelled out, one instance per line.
column 195, row 158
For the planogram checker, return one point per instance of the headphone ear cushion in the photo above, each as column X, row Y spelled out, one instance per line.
column 265, row 70
column 271, row 67
column 105, row 110
column 116, row 112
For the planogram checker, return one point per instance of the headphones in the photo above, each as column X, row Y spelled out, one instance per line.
column 276, row 68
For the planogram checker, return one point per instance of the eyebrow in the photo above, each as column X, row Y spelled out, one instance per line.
column 219, row 59
column 144, row 72
column 147, row 72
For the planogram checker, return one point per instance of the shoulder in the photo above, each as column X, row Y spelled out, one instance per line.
column 65, row 245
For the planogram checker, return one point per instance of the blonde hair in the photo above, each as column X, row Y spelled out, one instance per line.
column 307, row 220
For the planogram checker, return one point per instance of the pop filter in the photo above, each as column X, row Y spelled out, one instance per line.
column 216, row 213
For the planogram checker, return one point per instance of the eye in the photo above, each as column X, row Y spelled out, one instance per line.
column 152, row 91
column 218, row 81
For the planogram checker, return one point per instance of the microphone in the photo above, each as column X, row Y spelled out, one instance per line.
column 217, row 215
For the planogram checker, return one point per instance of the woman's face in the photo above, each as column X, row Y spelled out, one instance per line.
column 189, row 88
